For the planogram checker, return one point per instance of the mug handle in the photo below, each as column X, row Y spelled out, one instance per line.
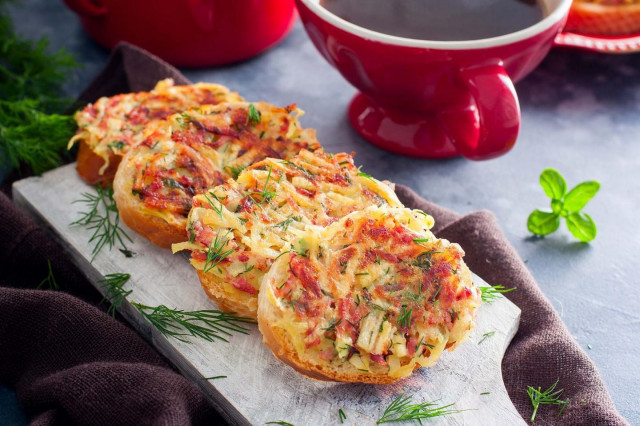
column 87, row 8
column 487, row 124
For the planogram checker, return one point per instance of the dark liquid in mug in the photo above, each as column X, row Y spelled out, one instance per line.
column 442, row 20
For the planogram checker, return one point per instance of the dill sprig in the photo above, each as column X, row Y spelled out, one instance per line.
column 280, row 422
column 404, row 319
column 342, row 415
column 402, row 408
column 267, row 192
column 49, row 280
column 213, row 206
column 31, row 131
column 490, row 294
column 206, row 324
column 103, row 219
column 548, row 397
column 114, row 292
column 284, row 225
column 486, row 335
column 215, row 253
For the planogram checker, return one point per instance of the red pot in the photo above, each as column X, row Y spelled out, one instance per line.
column 433, row 99
column 189, row 33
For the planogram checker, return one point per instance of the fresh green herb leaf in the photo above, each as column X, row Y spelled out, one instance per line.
column 553, row 184
column 485, row 336
column 254, row 115
column 363, row 174
column 214, row 377
column 280, row 422
column 102, row 218
column 117, row 145
column 215, row 252
column 567, row 205
column 205, row 324
column 114, row 292
column 49, row 281
column 342, row 416
column 485, row 393
column 543, row 223
column 548, row 397
column 579, row 196
column 490, row 294
column 402, row 409
column 581, row 226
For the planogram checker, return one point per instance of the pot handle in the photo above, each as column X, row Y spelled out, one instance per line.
column 87, row 8
column 487, row 124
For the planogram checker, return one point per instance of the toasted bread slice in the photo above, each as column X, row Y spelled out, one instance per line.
column 373, row 297
column 604, row 17
column 264, row 212
column 108, row 128
column 191, row 152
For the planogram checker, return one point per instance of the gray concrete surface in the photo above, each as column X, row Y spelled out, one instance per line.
column 581, row 115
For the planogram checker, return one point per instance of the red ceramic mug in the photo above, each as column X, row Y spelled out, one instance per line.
column 189, row 32
column 433, row 99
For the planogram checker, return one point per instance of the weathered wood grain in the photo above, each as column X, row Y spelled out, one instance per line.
column 258, row 388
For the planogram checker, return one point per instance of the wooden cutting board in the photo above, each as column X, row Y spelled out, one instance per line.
column 258, row 388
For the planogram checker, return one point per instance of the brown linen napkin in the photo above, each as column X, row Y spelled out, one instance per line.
column 71, row 362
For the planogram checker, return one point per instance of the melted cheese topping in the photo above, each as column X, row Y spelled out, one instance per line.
column 190, row 152
column 111, row 126
column 375, row 287
column 270, row 206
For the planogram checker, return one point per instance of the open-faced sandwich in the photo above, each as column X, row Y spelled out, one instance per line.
column 109, row 127
column 238, row 229
column 605, row 17
column 368, row 299
column 190, row 152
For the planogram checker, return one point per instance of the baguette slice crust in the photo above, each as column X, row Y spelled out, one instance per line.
column 190, row 152
column 262, row 215
column 604, row 17
column 375, row 297
column 109, row 127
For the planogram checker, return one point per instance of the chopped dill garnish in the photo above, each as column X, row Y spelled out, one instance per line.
column 114, row 292
column 485, row 393
column 280, row 422
column 267, row 192
column 547, row 397
column 103, row 219
column 404, row 319
column 359, row 274
column 235, row 171
column 215, row 253
column 491, row 294
column 363, row 174
column 206, row 324
column 485, row 336
column 214, row 377
column 402, row 409
column 333, row 325
column 213, row 206
column 49, row 280
column 342, row 415
column 254, row 115
column 285, row 223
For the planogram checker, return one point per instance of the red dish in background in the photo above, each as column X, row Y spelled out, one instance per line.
column 191, row 33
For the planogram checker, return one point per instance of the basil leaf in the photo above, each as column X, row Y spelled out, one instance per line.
column 543, row 223
column 582, row 226
column 579, row 196
column 553, row 184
